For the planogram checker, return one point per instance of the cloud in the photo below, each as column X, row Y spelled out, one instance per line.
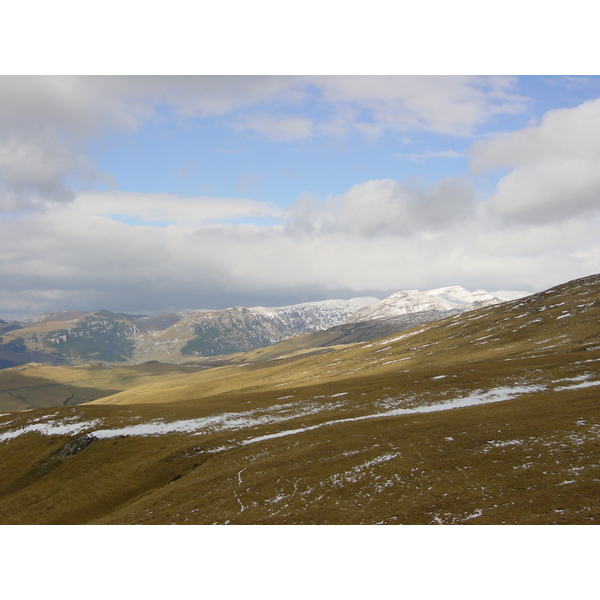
column 77, row 256
column 47, row 122
column 63, row 248
column 33, row 172
column 85, row 103
column 554, row 167
column 165, row 209
column 280, row 128
column 428, row 155
column 454, row 105
column 248, row 182
column 386, row 207
column 370, row 105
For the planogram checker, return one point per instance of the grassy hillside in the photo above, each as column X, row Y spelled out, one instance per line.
column 488, row 417
column 33, row 385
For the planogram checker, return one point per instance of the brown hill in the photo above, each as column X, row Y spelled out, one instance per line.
column 487, row 417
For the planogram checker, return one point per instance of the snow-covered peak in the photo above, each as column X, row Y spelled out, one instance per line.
column 457, row 295
column 414, row 301
column 271, row 323
column 311, row 316
column 351, row 305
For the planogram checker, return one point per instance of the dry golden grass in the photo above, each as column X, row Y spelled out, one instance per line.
column 37, row 386
column 315, row 439
column 533, row 459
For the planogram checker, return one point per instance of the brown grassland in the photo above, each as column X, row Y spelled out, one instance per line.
column 489, row 417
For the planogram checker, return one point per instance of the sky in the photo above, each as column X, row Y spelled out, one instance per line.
column 150, row 194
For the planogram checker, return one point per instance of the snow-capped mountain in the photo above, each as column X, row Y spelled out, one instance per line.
column 415, row 301
column 239, row 329
column 314, row 316
column 101, row 335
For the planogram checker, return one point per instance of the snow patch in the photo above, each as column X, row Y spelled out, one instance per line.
column 479, row 397
column 584, row 384
column 49, row 428
column 474, row 515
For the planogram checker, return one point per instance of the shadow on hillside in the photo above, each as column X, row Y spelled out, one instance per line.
column 39, row 392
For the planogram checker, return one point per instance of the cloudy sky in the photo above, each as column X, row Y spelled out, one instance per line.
column 149, row 194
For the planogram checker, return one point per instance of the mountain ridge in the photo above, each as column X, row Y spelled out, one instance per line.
column 415, row 301
column 78, row 337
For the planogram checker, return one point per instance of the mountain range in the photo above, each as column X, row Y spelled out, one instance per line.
column 71, row 337
column 486, row 416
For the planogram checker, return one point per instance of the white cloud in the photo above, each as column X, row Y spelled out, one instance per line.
column 280, row 128
column 555, row 172
column 428, row 155
column 33, row 172
column 75, row 259
column 83, row 104
column 47, row 122
column 88, row 250
column 51, row 120
column 454, row 105
column 248, row 182
column 386, row 207
column 163, row 209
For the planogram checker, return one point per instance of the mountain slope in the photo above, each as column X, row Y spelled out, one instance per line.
column 539, row 324
column 33, row 385
column 238, row 329
column 59, row 316
column 74, row 337
column 99, row 335
column 489, row 416
column 414, row 301
column 341, row 335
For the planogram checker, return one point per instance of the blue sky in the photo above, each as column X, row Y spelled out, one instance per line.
column 152, row 194
column 208, row 155
column 212, row 156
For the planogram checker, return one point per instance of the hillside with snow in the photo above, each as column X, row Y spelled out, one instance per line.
column 488, row 416
column 415, row 301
